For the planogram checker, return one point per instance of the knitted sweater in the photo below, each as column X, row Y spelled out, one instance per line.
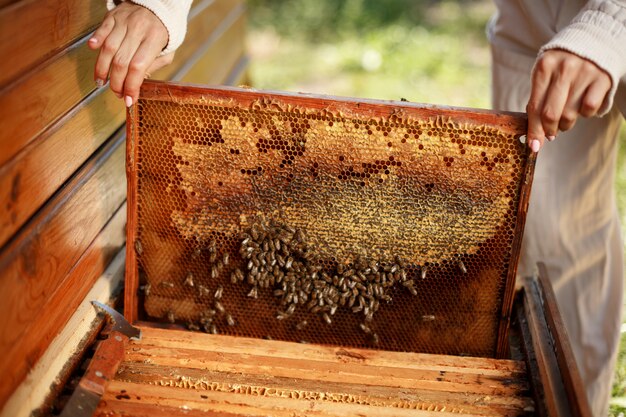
column 173, row 14
column 594, row 29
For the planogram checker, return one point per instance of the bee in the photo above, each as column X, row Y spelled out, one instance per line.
column 229, row 320
column 428, row 317
column 277, row 244
column 171, row 317
column 213, row 329
column 280, row 316
column 189, row 280
column 138, row 247
column 424, row 271
column 212, row 257
column 233, row 278
column 301, row 325
column 254, row 293
column 218, row 292
column 289, row 263
column 213, row 246
column 202, row 290
column 146, row 289
column 333, row 309
column 327, row 318
column 462, row 267
column 219, row 307
column 167, row 284
column 291, row 309
column 214, row 272
column 196, row 253
column 374, row 338
column 365, row 328
column 193, row 326
column 245, row 241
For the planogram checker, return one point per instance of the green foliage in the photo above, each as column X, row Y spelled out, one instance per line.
column 380, row 49
column 326, row 20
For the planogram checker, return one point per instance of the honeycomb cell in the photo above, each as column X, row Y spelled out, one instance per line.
column 262, row 218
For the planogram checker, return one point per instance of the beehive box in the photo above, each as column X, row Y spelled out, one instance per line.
column 357, row 233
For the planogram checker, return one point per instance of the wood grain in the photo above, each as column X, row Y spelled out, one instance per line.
column 205, row 28
column 36, row 262
column 544, row 373
column 33, row 103
column 38, row 99
column 52, row 371
column 32, row 176
column 572, row 380
column 219, row 58
column 52, row 25
column 175, row 340
column 239, row 376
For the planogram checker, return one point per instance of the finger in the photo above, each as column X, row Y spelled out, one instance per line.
column 554, row 103
column 160, row 62
column 572, row 105
column 540, row 83
column 98, row 37
column 594, row 97
column 142, row 60
column 121, row 61
column 109, row 49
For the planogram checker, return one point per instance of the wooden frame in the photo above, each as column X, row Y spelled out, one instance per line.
column 508, row 123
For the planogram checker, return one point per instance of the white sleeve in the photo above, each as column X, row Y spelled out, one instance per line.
column 173, row 14
column 597, row 33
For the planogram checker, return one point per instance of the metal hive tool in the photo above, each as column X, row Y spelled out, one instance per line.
column 313, row 219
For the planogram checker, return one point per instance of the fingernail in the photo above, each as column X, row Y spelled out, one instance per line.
column 551, row 138
column 128, row 100
column 535, row 145
column 99, row 82
column 93, row 40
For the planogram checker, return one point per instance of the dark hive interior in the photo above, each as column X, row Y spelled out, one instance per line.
column 370, row 224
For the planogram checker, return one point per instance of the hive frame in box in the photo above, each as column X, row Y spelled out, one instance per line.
column 180, row 373
column 493, row 157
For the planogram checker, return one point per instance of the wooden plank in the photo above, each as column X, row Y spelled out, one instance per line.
column 65, row 351
column 115, row 407
column 52, row 25
column 215, row 59
column 271, row 385
column 38, row 170
column 205, row 28
column 545, row 376
column 35, row 263
column 36, row 101
column 334, row 371
column 243, row 404
column 32, row 176
column 176, row 339
column 572, row 380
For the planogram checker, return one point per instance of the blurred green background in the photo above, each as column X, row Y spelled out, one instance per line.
column 422, row 50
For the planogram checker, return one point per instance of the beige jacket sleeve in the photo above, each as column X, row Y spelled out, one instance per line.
column 598, row 33
column 173, row 14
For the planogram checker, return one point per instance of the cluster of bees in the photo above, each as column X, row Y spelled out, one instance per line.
column 278, row 257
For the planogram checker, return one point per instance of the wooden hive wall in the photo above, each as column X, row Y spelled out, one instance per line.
column 62, row 177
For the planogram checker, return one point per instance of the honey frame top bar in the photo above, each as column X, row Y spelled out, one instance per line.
column 507, row 122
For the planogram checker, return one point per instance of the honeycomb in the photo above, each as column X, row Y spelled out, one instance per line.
column 373, row 224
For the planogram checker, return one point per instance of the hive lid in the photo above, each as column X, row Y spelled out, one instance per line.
column 327, row 220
